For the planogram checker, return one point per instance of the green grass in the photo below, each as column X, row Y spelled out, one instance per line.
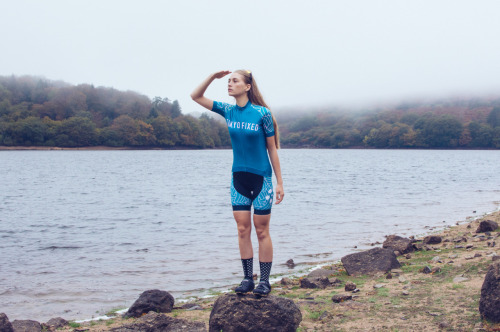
column 74, row 325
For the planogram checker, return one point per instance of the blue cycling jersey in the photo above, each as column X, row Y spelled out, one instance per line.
column 248, row 128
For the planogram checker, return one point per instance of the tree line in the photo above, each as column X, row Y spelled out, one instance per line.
column 470, row 123
column 39, row 112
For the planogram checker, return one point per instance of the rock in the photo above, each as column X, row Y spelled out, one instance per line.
column 477, row 255
column 57, row 322
column 357, row 290
column 378, row 286
column 337, row 298
column 322, row 282
column 489, row 304
column 389, row 275
column 398, row 243
column 402, row 279
column 156, row 322
column 26, row 326
column 459, row 279
column 286, row 281
column 290, row 263
column 5, row 325
column 426, row 270
column 452, row 256
column 408, row 256
column 349, row 286
column 487, row 226
column 405, row 292
column 460, row 239
column 321, row 273
column 233, row 313
column 444, row 324
column 495, row 258
column 436, row 259
column 469, row 246
column 436, row 269
column 370, row 262
column 151, row 300
column 432, row 239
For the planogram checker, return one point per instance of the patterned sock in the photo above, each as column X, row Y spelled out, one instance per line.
column 247, row 267
column 265, row 271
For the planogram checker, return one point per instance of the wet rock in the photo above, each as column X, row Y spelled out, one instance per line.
column 156, row 322
column 321, row 273
column 370, row 262
column 5, row 325
column 151, row 300
column 232, row 313
column 487, row 226
column 337, row 298
column 432, row 239
column 321, row 282
column 26, row 326
column 56, row 323
column 349, row 286
column 489, row 304
column 398, row 243
column 290, row 263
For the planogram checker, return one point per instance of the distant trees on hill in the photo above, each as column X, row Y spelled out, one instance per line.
column 451, row 124
column 35, row 111
column 39, row 112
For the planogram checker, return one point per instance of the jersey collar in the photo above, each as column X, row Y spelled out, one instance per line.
column 242, row 108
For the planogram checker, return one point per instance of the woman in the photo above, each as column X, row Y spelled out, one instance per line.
column 254, row 137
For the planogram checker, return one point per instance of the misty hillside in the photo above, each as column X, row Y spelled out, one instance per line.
column 447, row 123
column 35, row 111
column 38, row 112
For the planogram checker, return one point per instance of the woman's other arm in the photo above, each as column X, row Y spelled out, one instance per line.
column 198, row 94
column 275, row 162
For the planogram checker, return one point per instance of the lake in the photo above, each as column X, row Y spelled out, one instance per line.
column 83, row 232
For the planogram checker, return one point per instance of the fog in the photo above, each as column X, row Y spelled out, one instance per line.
column 315, row 54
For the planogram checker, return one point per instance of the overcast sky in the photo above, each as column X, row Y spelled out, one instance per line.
column 302, row 53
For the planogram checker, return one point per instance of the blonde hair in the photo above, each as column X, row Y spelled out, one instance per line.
column 256, row 98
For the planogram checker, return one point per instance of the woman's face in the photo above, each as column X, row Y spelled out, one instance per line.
column 236, row 85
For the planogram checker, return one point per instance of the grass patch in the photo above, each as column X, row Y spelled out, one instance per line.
column 74, row 325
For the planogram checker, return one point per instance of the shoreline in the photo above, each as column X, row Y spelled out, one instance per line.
column 368, row 305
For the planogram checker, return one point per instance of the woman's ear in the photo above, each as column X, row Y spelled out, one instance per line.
column 249, row 86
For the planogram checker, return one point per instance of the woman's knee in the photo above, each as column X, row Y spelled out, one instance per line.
column 244, row 231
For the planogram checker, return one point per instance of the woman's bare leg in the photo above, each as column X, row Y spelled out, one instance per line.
column 261, row 223
column 244, row 224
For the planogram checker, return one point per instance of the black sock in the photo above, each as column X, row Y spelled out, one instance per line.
column 247, row 267
column 265, row 271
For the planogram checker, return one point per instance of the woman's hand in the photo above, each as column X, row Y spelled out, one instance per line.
column 221, row 74
column 280, row 194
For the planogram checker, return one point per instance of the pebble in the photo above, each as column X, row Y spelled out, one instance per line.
column 378, row 286
column 459, row 279
column 403, row 279
column 405, row 292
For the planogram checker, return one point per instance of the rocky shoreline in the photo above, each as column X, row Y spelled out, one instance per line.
column 429, row 283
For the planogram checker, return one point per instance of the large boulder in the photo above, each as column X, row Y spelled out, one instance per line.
column 487, row 226
column 155, row 322
column 398, row 243
column 489, row 304
column 151, row 300
column 5, row 325
column 318, row 273
column 373, row 261
column 233, row 313
column 26, row 326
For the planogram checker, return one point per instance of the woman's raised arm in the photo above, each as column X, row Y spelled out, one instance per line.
column 198, row 94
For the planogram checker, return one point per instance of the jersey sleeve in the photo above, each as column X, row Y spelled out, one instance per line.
column 220, row 108
column 267, row 120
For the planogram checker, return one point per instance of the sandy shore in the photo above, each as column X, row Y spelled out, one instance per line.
column 406, row 300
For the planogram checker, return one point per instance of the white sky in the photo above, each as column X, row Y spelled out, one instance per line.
column 302, row 53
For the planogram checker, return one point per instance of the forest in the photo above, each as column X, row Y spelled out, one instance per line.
column 35, row 111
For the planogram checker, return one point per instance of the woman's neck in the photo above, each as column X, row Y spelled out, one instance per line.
column 241, row 100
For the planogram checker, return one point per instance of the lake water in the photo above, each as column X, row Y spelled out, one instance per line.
column 83, row 232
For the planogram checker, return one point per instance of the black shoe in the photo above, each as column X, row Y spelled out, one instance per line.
column 246, row 286
column 262, row 289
